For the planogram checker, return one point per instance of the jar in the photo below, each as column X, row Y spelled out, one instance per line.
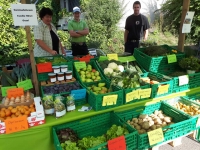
column 64, row 68
column 52, row 77
column 60, row 76
column 56, row 69
column 68, row 75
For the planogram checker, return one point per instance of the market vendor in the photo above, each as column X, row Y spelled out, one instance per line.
column 45, row 34
column 78, row 30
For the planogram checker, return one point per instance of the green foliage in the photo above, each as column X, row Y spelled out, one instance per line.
column 172, row 15
column 102, row 23
column 64, row 38
column 13, row 41
column 190, row 63
column 54, row 5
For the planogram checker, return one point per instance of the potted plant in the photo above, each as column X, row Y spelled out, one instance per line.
column 191, row 64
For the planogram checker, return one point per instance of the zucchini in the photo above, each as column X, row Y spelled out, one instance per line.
column 9, row 79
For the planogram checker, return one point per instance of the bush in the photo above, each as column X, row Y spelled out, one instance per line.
column 13, row 41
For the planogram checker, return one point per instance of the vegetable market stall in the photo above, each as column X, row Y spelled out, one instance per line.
column 41, row 138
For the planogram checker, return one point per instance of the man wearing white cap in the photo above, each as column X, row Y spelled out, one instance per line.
column 78, row 30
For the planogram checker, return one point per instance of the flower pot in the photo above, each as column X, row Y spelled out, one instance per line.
column 190, row 71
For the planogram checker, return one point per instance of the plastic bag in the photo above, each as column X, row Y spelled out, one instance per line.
column 70, row 103
column 48, row 104
column 59, row 106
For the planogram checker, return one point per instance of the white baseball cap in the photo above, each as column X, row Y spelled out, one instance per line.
column 76, row 9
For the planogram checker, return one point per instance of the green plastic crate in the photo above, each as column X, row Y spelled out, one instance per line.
column 163, row 81
column 96, row 126
column 52, row 59
column 94, row 66
column 45, row 77
column 175, row 100
column 183, row 124
column 96, row 100
column 156, row 64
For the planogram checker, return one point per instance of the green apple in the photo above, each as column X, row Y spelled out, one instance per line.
column 93, row 77
column 89, row 69
column 98, row 78
column 83, row 76
column 82, row 72
column 88, row 80
column 84, row 69
column 83, row 79
column 88, row 75
column 96, row 73
column 92, row 73
column 89, row 66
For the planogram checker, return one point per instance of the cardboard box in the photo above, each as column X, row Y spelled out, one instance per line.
column 38, row 117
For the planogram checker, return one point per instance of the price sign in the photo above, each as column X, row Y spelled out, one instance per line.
column 80, row 65
column 112, row 56
column 79, row 94
column 171, row 58
column 155, row 136
column 102, row 58
column 15, row 92
column 132, row 95
column 118, row 143
column 26, row 85
column 163, row 89
column 44, row 67
column 183, row 80
column 130, row 58
column 109, row 100
column 145, row 93
column 4, row 89
column 16, row 124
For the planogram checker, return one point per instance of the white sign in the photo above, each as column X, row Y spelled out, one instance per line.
column 187, row 22
column 183, row 80
column 24, row 14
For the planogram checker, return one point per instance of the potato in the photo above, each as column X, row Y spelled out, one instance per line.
column 164, row 124
column 158, row 126
column 141, row 131
column 140, row 121
column 135, row 124
column 160, row 112
column 156, row 112
column 145, row 125
column 167, row 119
column 153, row 127
column 128, row 121
column 151, row 123
column 137, row 127
column 135, row 120
column 161, row 116
column 143, row 116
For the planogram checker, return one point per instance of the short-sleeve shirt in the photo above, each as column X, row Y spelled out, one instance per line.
column 42, row 32
column 136, row 25
column 77, row 26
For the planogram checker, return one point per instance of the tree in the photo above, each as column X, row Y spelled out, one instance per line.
column 172, row 16
column 12, row 41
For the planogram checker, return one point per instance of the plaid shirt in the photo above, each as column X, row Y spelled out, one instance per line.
column 42, row 32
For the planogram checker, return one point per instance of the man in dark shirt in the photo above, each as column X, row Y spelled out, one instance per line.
column 136, row 28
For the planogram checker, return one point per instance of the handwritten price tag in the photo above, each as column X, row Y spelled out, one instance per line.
column 44, row 67
column 145, row 93
column 155, row 136
column 112, row 56
column 79, row 94
column 132, row 95
column 80, row 65
column 183, row 80
column 15, row 92
column 118, row 143
column 163, row 89
column 26, row 85
column 171, row 58
column 109, row 100
column 16, row 124
column 4, row 89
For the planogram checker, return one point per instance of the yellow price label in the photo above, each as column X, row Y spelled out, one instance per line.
column 163, row 89
column 145, row 93
column 132, row 95
column 155, row 136
column 112, row 56
column 109, row 100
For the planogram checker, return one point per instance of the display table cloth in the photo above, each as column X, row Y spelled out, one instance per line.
column 41, row 138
